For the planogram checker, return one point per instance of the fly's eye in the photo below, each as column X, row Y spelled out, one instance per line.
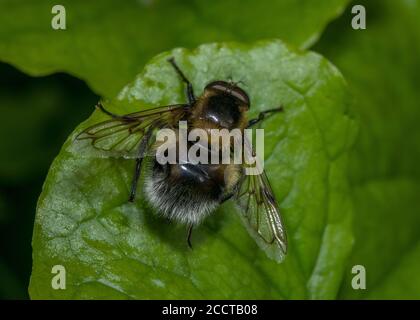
column 230, row 89
column 240, row 94
column 221, row 86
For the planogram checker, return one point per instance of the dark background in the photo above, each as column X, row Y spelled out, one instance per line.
column 32, row 131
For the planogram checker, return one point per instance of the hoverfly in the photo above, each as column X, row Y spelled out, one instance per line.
column 187, row 192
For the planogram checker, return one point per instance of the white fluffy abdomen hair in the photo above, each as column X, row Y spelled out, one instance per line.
column 178, row 202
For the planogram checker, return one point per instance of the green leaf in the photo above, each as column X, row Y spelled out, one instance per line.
column 381, row 64
column 108, row 42
column 391, row 256
column 115, row 249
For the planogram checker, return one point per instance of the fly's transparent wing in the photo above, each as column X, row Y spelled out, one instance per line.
column 261, row 215
column 121, row 135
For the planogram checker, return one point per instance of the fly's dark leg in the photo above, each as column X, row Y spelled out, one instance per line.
column 190, row 90
column 137, row 171
column 144, row 144
column 189, row 232
column 234, row 192
column 263, row 115
column 226, row 197
column 100, row 107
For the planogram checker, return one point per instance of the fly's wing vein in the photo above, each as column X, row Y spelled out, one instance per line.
column 261, row 215
column 121, row 135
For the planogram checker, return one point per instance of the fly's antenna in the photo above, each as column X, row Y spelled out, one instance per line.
column 235, row 83
column 240, row 82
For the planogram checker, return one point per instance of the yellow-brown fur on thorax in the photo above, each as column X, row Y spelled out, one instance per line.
column 198, row 114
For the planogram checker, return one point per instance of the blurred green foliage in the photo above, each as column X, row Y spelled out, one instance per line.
column 108, row 42
column 381, row 65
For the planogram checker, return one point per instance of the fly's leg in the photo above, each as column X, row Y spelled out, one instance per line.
column 263, row 115
column 190, row 90
column 234, row 192
column 189, row 232
column 226, row 197
column 143, row 147
column 137, row 171
column 100, row 107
